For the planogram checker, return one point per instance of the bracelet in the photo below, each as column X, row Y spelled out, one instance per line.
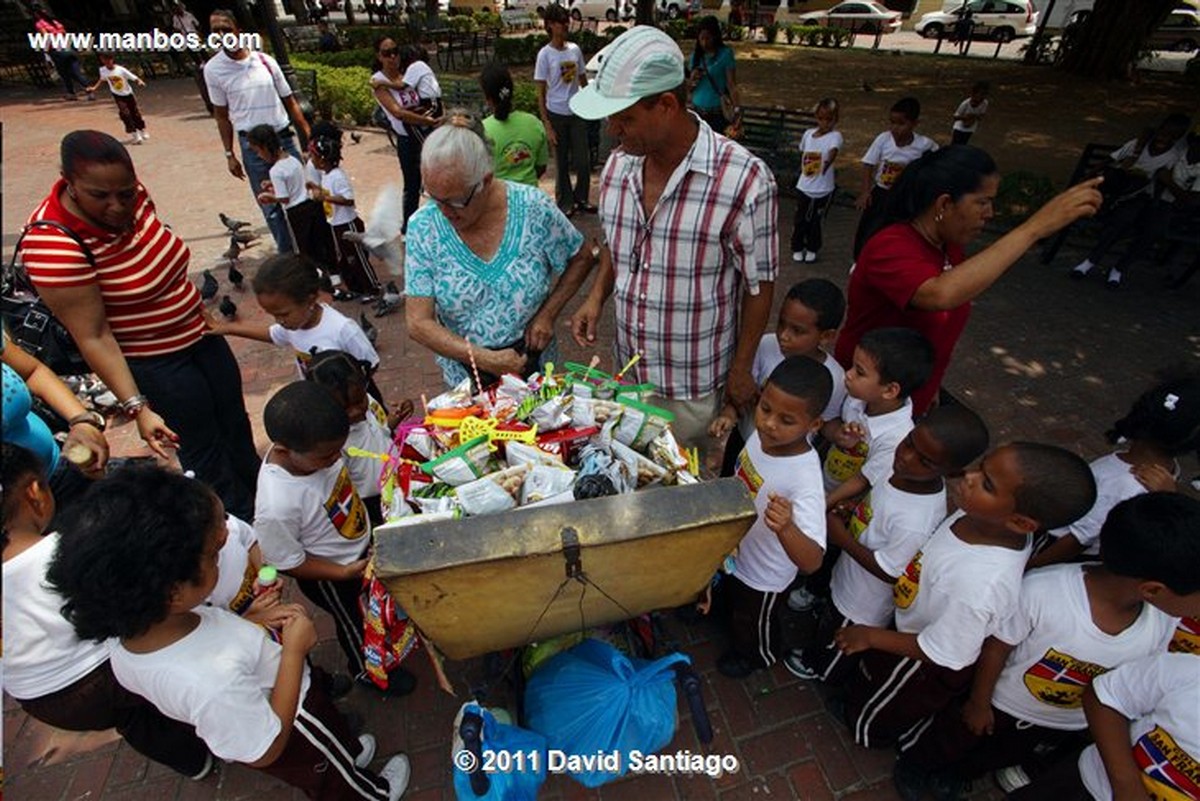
column 228, row 154
column 89, row 418
column 132, row 406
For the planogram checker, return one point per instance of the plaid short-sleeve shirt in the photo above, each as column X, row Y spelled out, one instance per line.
column 680, row 273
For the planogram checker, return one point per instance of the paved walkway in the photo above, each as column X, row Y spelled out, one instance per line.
column 1043, row 358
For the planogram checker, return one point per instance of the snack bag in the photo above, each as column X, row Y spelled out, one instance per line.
column 640, row 423
column 495, row 492
column 461, row 465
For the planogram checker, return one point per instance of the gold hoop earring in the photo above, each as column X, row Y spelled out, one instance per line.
column 938, row 218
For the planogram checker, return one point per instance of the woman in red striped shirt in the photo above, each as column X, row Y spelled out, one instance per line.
column 122, row 291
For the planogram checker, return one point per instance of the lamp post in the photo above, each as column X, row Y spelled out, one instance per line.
column 279, row 46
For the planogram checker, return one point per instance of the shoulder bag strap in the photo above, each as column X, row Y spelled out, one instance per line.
column 14, row 276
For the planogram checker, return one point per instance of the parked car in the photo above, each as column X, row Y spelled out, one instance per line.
column 1180, row 32
column 601, row 9
column 674, row 9
column 1001, row 20
column 857, row 15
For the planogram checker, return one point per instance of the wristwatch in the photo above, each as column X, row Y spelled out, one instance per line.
column 228, row 154
column 91, row 418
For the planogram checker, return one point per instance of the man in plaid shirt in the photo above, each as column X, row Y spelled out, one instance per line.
column 691, row 250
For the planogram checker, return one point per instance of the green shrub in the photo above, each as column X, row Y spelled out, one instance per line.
column 358, row 36
column 589, row 42
column 488, row 20
column 771, row 32
column 463, row 23
column 525, row 97
column 519, row 50
column 789, row 33
column 359, row 57
column 677, row 29
column 1021, row 193
column 613, row 31
column 735, row 33
column 345, row 92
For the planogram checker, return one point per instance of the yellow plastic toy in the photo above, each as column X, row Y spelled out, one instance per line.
column 471, row 427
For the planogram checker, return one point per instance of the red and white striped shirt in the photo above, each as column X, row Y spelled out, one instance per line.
column 680, row 274
column 152, row 307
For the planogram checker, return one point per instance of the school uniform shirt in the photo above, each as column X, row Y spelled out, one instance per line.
column 519, row 146
column 815, row 152
column 1186, row 639
column 1161, row 697
column 311, row 174
column 900, row 524
column 334, row 331
column 1149, row 163
column 889, row 159
column 218, row 678
column 250, row 88
column 120, row 80
column 287, row 181
column 1114, row 483
column 42, row 655
column 767, row 358
column 965, row 108
column 319, row 514
column 370, row 434
column 952, row 595
column 561, row 70
column 1186, row 176
column 236, row 574
column 761, row 561
column 336, row 183
column 1060, row 651
column 873, row 456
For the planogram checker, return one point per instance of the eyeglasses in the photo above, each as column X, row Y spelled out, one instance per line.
column 458, row 205
column 390, row 52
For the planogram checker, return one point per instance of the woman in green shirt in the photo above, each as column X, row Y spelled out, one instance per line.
column 711, row 75
column 518, row 139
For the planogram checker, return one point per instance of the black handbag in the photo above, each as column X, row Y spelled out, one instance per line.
column 29, row 321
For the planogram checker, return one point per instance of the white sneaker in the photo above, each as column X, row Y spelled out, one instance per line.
column 800, row 600
column 810, row 256
column 396, row 772
column 368, row 751
column 1011, row 779
column 137, row 137
column 1083, row 268
column 798, row 255
column 204, row 771
column 145, row 136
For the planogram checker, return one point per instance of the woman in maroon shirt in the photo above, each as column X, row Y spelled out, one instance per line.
column 913, row 271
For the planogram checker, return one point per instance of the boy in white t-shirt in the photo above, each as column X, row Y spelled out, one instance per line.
column 809, row 319
column 962, row 583
column 888, row 365
column 310, row 521
column 883, row 162
column 881, row 537
column 969, row 113
column 136, row 565
column 120, row 82
column 559, row 73
column 1072, row 624
column 819, row 148
column 783, row 474
column 57, row 677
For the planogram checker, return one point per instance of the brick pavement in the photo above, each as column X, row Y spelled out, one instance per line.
column 1043, row 358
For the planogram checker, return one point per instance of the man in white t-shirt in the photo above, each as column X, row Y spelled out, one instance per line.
column 247, row 88
column 560, row 72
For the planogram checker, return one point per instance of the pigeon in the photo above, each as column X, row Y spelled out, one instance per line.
column 355, row 137
column 234, row 251
column 228, row 308
column 235, row 276
column 866, row 87
column 389, row 301
column 232, row 224
column 383, row 229
column 371, row 331
column 244, row 237
column 208, row 286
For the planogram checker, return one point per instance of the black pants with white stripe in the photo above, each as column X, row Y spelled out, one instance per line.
column 754, row 622
column 353, row 264
column 340, row 599
column 823, row 657
column 891, row 696
column 319, row 756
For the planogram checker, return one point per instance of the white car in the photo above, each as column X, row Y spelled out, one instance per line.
column 601, row 9
column 674, row 9
column 1001, row 20
column 861, row 17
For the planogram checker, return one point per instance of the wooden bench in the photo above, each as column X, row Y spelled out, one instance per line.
column 518, row 19
column 1094, row 157
column 773, row 134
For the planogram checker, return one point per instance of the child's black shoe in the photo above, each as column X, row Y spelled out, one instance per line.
column 911, row 782
column 734, row 665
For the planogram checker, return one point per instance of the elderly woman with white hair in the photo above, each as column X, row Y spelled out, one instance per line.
column 482, row 260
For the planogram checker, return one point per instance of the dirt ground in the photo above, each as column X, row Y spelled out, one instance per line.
column 1039, row 118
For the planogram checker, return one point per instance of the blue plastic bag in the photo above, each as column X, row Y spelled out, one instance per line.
column 592, row 699
column 519, row 766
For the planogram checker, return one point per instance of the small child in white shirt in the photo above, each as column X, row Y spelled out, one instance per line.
column 969, row 113
column 337, row 193
column 119, row 82
column 783, row 473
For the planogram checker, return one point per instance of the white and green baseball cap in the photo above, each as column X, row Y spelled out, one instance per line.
column 641, row 62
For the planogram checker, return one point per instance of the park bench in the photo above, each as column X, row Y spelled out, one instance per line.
column 1091, row 161
column 302, row 38
column 773, row 134
column 518, row 19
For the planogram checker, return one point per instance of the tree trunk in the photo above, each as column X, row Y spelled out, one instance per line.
column 645, row 12
column 1113, row 36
